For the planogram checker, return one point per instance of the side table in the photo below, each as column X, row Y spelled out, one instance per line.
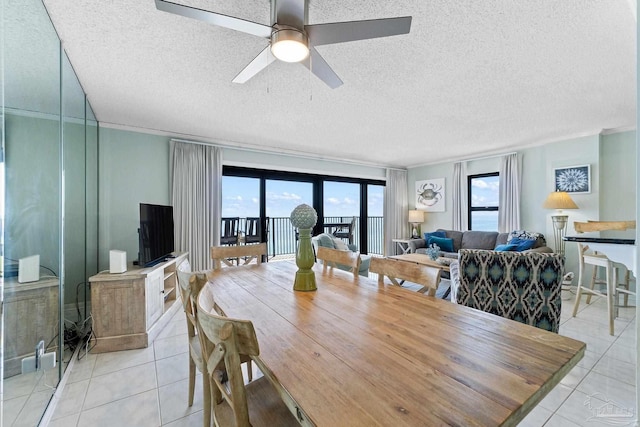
column 403, row 245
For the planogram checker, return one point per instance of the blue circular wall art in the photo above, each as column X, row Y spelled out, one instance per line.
column 574, row 179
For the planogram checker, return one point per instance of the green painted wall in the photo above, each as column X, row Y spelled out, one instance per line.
column 135, row 167
column 32, row 206
column 33, row 197
column 617, row 197
column 612, row 196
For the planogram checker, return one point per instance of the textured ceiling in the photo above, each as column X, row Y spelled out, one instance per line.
column 471, row 78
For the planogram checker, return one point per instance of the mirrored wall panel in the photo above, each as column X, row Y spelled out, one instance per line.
column 49, row 211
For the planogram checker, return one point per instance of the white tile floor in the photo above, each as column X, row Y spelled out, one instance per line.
column 148, row 387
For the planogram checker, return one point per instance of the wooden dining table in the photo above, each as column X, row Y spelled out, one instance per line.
column 355, row 353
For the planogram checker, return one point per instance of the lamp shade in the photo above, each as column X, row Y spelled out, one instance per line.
column 559, row 200
column 416, row 216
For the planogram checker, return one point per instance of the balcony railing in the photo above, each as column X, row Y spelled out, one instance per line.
column 281, row 239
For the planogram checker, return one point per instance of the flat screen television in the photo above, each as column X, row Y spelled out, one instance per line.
column 155, row 234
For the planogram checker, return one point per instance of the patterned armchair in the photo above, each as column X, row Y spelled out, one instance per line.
column 525, row 287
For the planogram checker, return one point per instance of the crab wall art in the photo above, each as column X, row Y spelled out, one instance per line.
column 430, row 195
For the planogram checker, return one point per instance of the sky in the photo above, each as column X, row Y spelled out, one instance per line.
column 241, row 197
column 484, row 191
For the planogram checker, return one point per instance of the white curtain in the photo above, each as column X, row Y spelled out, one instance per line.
column 460, row 218
column 509, row 212
column 396, row 209
column 196, row 197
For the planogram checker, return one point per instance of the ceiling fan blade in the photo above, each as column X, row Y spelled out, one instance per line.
column 318, row 66
column 340, row 32
column 258, row 64
column 218, row 19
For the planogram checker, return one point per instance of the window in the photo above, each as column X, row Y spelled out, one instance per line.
column 272, row 195
column 240, row 196
column 483, row 201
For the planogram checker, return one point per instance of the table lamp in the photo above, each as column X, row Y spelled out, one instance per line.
column 559, row 200
column 416, row 217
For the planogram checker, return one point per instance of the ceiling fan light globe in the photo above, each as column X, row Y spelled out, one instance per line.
column 289, row 45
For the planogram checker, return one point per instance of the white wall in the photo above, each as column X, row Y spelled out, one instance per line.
column 252, row 159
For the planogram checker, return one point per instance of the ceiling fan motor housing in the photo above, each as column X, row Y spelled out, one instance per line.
column 289, row 44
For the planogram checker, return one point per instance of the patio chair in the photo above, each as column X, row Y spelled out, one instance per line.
column 229, row 231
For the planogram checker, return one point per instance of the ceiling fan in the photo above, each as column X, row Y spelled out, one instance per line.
column 291, row 39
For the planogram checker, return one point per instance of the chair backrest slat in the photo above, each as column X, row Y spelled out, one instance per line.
column 402, row 270
column 222, row 254
column 333, row 257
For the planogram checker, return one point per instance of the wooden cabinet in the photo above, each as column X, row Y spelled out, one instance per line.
column 31, row 315
column 129, row 309
column 154, row 296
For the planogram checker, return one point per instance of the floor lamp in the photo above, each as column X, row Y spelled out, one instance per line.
column 559, row 200
column 416, row 217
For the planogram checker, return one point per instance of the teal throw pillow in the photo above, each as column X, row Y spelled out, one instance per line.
column 522, row 244
column 446, row 245
column 434, row 234
column 505, row 248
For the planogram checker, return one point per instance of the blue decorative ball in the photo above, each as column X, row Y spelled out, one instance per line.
column 304, row 216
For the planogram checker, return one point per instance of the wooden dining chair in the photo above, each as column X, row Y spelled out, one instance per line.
column 333, row 257
column 224, row 254
column 188, row 290
column 400, row 271
column 234, row 403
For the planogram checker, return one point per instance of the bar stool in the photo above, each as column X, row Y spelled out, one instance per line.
column 611, row 280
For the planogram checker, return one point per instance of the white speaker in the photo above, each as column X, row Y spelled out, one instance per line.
column 117, row 261
column 29, row 269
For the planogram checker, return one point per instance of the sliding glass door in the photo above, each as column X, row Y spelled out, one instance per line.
column 375, row 219
column 281, row 197
column 341, row 204
column 341, row 207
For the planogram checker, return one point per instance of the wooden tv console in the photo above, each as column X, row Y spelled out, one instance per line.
column 129, row 309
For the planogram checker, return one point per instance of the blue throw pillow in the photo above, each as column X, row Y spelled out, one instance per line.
column 505, row 248
column 446, row 245
column 522, row 244
column 433, row 234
